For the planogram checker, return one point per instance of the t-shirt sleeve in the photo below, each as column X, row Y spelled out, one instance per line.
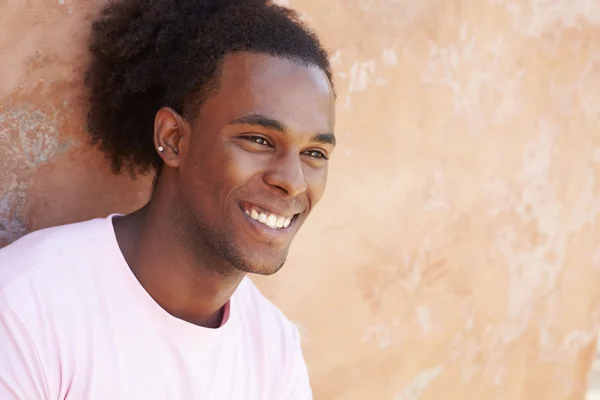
column 21, row 374
column 298, row 383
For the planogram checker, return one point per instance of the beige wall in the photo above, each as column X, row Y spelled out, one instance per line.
column 455, row 255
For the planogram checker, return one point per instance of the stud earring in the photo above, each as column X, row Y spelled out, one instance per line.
column 160, row 148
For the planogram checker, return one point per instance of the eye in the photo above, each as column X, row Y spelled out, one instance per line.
column 258, row 140
column 316, row 154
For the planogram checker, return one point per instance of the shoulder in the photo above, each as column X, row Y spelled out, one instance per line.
column 279, row 342
column 50, row 248
column 257, row 308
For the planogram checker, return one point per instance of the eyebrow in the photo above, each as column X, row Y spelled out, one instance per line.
column 270, row 123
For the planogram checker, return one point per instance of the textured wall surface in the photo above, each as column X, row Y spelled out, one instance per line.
column 455, row 255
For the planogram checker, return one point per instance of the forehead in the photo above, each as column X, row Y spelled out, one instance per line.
column 300, row 96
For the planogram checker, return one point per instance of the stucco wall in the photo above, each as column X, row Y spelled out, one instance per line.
column 455, row 255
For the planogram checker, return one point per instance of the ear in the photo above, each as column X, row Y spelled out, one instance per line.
column 170, row 129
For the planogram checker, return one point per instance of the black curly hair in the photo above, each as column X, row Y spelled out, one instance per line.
column 147, row 54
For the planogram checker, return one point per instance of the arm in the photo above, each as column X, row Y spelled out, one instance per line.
column 297, row 386
column 21, row 374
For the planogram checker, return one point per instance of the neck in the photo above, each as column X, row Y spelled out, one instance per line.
column 184, row 286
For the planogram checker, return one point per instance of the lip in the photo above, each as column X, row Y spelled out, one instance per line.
column 270, row 209
column 261, row 230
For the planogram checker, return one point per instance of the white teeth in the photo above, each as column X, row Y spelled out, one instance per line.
column 280, row 222
column 271, row 220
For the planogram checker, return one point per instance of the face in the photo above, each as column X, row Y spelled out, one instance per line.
column 253, row 163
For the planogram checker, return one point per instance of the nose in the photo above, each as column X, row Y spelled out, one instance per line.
column 287, row 175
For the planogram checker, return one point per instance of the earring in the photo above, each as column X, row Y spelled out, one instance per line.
column 160, row 148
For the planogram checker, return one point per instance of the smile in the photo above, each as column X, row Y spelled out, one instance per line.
column 270, row 219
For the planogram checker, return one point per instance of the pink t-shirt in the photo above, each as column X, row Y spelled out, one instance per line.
column 76, row 324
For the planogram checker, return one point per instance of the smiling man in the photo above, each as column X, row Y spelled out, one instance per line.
column 232, row 104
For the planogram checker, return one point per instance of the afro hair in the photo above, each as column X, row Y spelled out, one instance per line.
column 149, row 54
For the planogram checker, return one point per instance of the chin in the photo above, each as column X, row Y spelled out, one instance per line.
column 262, row 268
column 260, row 265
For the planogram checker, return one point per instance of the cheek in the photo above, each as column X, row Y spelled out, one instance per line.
column 201, row 182
column 316, row 179
column 217, row 175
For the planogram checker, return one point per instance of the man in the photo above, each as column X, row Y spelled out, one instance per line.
column 232, row 103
